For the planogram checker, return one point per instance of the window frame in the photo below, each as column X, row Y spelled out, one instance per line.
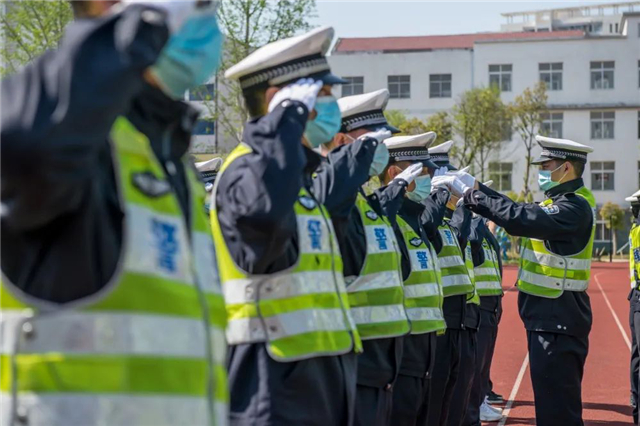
column 201, row 123
column 501, row 174
column 555, row 69
column 549, row 120
column 501, row 73
column 353, row 84
column 399, row 94
column 194, row 95
column 598, row 117
column 440, row 81
column 602, row 71
column 605, row 168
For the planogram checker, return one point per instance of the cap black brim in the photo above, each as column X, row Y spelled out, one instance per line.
column 330, row 79
column 429, row 164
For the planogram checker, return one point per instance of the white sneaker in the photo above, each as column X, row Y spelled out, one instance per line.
column 488, row 415
column 496, row 409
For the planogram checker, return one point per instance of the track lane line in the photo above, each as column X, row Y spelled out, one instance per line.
column 613, row 312
column 514, row 391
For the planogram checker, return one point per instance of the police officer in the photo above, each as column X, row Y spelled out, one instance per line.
column 488, row 280
column 208, row 172
column 455, row 361
column 371, row 261
column 555, row 266
column 634, row 297
column 111, row 307
column 293, row 340
column 422, row 283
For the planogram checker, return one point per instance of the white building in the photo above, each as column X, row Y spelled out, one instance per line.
column 592, row 74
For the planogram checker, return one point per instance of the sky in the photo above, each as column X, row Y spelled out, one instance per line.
column 370, row 18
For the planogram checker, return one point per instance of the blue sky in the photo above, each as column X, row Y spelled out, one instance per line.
column 360, row 18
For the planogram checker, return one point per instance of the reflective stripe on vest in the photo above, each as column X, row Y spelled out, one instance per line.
column 376, row 296
column 149, row 348
column 547, row 274
column 468, row 262
column 302, row 312
column 455, row 272
column 634, row 256
column 422, row 289
column 487, row 276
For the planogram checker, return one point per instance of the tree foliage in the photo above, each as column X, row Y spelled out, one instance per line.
column 479, row 120
column 613, row 217
column 248, row 25
column 526, row 114
column 439, row 123
column 28, row 28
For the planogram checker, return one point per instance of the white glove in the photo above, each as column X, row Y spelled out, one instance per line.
column 465, row 177
column 442, row 181
column 441, row 171
column 379, row 135
column 177, row 11
column 459, row 187
column 410, row 173
column 304, row 90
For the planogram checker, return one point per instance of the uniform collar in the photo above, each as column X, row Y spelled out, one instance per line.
column 564, row 188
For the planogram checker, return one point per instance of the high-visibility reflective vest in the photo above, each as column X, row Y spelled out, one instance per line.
column 422, row 289
column 149, row 348
column 468, row 262
column 487, row 276
column 546, row 274
column 634, row 256
column 301, row 312
column 456, row 268
column 376, row 296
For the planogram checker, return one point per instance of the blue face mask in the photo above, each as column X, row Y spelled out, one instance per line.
column 544, row 179
column 380, row 160
column 191, row 55
column 326, row 124
column 422, row 189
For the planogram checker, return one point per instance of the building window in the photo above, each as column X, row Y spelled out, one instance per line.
column 638, row 69
column 500, row 75
column 355, row 86
column 602, row 75
column 440, row 85
column 399, row 86
column 204, row 127
column 602, row 175
column 602, row 124
column 202, row 93
column 551, row 75
column 552, row 124
column 603, row 234
column 500, row 174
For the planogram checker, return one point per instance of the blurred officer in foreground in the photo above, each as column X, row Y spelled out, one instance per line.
column 422, row 282
column 455, row 363
column 293, row 340
column 555, row 267
column 371, row 262
column 634, row 299
column 111, row 306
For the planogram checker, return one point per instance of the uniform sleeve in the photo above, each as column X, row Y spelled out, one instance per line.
column 57, row 113
column 461, row 224
column 256, row 194
column 391, row 197
column 568, row 216
column 476, row 236
column 337, row 182
column 435, row 207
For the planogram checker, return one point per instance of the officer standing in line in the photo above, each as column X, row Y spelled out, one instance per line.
column 208, row 171
column 293, row 340
column 371, row 261
column 555, row 267
column 634, row 298
column 112, row 312
column 488, row 280
column 422, row 284
column 456, row 349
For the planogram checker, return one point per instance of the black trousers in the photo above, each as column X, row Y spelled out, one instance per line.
column 373, row 406
column 318, row 391
column 557, row 366
column 455, row 361
column 487, row 335
column 466, row 376
column 411, row 391
column 634, row 364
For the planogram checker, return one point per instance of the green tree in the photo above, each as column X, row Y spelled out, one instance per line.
column 395, row 117
column 479, row 119
column 613, row 217
column 28, row 28
column 526, row 114
column 441, row 124
column 248, row 25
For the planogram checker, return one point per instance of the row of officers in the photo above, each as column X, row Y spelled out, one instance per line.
column 300, row 300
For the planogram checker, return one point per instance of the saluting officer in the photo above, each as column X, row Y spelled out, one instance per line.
column 293, row 340
column 422, row 281
column 634, row 298
column 371, row 261
column 555, row 267
column 455, row 361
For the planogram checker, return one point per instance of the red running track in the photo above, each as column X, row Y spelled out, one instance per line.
column 605, row 391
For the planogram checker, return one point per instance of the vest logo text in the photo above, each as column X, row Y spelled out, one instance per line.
column 315, row 234
column 166, row 244
column 381, row 238
column 423, row 259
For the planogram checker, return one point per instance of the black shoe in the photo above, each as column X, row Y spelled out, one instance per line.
column 494, row 398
